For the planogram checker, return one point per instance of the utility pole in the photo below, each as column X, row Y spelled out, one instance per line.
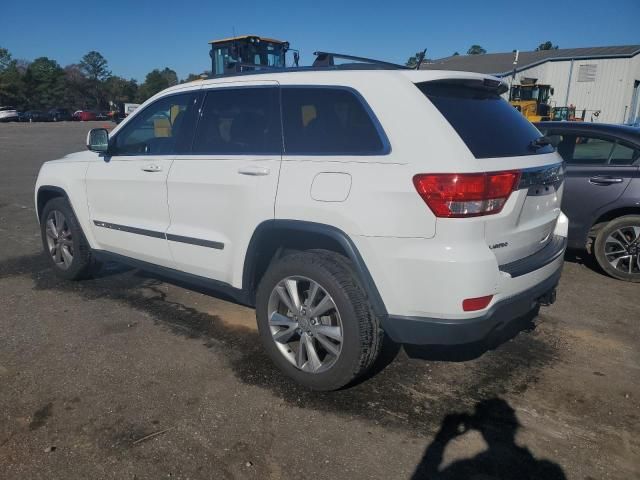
column 516, row 54
column 421, row 58
column 566, row 98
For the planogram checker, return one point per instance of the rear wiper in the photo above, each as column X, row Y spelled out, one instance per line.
column 539, row 143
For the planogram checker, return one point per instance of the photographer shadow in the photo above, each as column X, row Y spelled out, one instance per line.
column 496, row 421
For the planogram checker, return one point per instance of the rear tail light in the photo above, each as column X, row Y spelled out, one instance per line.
column 478, row 303
column 466, row 194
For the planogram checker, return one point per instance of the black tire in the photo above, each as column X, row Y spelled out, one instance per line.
column 601, row 248
column 82, row 263
column 362, row 335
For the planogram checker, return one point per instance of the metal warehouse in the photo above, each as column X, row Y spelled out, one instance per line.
column 602, row 82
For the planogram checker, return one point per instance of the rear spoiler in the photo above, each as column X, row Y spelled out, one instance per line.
column 486, row 84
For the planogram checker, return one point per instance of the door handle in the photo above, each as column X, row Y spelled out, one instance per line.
column 152, row 167
column 254, row 171
column 605, row 180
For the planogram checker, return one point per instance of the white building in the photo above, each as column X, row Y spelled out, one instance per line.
column 598, row 79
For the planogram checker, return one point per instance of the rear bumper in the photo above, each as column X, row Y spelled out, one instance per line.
column 440, row 331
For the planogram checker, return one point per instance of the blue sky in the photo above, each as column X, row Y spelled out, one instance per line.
column 137, row 36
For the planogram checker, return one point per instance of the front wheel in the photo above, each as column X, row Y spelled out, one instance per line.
column 315, row 321
column 617, row 248
column 64, row 243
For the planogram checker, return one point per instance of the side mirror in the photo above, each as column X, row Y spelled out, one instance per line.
column 98, row 140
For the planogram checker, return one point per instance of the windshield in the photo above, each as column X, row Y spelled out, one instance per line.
column 263, row 53
column 536, row 93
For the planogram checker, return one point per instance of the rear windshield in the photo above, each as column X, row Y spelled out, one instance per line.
column 488, row 124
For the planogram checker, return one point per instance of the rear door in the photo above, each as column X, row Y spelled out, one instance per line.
column 502, row 140
column 599, row 169
column 226, row 186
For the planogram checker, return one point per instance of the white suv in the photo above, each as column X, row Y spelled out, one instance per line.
column 342, row 204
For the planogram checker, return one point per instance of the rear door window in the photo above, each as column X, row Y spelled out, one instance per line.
column 239, row 121
column 329, row 121
column 592, row 151
column 488, row 124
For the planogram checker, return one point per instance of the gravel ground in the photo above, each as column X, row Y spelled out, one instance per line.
column 90, row 371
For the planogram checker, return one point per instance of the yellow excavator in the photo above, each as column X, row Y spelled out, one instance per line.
column 532, row 99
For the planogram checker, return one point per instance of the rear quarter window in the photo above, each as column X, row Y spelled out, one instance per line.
column 593, row 150
column 488, row 125
column 329, row 121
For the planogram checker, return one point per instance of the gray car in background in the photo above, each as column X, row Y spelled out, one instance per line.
column 602, row 191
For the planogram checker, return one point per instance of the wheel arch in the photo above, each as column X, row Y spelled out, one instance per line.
column 272, row 239
column 612, row 214
column 47, row 193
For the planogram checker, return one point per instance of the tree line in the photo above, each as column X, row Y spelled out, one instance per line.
column 86, row 85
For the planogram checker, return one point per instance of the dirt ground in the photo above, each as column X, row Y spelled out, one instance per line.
column 90, row 371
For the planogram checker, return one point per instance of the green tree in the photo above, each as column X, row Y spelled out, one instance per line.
column 121, row 90
column 5, row 59
column 22, row 65
column 76, row 87
column 156, row 81
column 413, row 60
column 546, row 46
column 95, row 68
column 8, row 86
column 44, row 82
column 476, row 50
column 12, row 86
column 170, row 76
column 455, row 54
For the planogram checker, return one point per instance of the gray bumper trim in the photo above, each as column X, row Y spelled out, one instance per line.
column 550, row 252
column 441, row 331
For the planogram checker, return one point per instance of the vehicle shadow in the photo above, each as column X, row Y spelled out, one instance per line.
column 496, row 421
column 582, row 257
column 401, row 392
column 471, row 351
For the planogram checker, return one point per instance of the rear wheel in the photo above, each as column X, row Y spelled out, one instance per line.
column 617, row 248
column 63, row 241
column 315, row 321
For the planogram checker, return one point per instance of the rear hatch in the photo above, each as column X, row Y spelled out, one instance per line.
column 520, row 220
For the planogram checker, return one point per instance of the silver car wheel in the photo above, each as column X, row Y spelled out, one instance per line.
column 622, row 249
column 59, row 239
column 305, row 324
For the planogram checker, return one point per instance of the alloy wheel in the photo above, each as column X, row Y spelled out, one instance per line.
column 59, row 239
column 622, row 249
column 305, row 324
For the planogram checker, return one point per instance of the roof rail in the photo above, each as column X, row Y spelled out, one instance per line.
column 326, row 59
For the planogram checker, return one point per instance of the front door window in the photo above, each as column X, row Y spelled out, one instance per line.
column 161, row 128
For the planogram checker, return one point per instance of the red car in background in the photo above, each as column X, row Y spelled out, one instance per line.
column 84, row 115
